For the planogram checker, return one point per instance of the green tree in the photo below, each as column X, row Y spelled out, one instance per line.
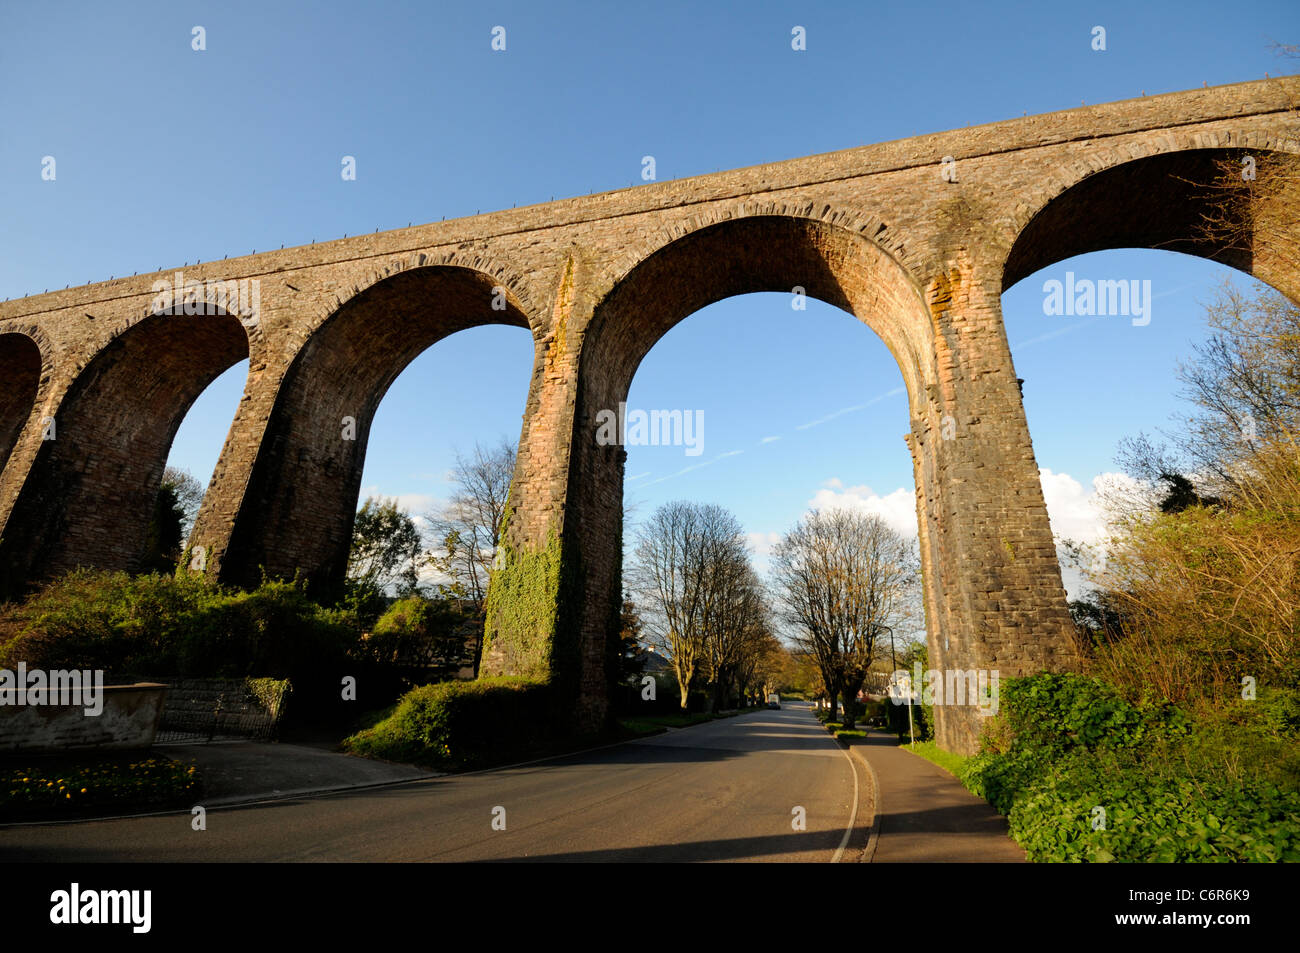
column 162, row 548
column 435, row 637
column 632, row 654
column 385, row 553
column 189, row 496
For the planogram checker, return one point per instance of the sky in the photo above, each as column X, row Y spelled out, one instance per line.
column 167, row 155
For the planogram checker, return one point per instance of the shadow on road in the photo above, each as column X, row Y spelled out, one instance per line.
column 743, row 848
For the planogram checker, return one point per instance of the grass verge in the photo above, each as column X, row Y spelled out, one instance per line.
column 952, row 763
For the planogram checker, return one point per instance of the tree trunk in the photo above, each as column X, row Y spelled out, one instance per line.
column 850, row 709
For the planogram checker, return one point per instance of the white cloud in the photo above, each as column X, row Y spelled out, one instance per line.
column 761, row 543
column 897, row 509
column 1079, row 514
column 416, row 504
column 1071, row 509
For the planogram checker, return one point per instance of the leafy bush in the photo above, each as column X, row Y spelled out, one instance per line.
column 462, row 724
column 1055, row 713
column 275, row 630
column 1150, row 819
column 420, row 633
column 175, row 625
column 94, row 619
column 1084, row 775
column 874, row 712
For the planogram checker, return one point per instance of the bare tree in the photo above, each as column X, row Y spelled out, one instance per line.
column 1244, row 387
column 464, row 534
column 735, row 619
column 841, row 577
column 763, row 660
column 685, row 559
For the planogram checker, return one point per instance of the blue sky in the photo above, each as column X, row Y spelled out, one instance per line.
column 167, row 155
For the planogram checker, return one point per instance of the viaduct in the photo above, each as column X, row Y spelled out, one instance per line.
column 917, row 238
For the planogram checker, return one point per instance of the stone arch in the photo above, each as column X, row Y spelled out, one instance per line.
column 297, row 511
column 740, row 254
column 1154, row 193
column 89, row 494
column 757, row 248
column 22, row 371
column 518, row 291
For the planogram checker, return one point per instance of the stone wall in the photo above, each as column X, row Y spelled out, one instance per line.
column 129, row 719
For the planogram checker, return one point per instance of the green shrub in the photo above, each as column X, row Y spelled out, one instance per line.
column 1103, row 807
column 874, row 712
column 416, row 632
column 462, row 724
column 175, row 625
column 1057, row 712
column 275, row 630
column 104, row 620
column 1084, row 775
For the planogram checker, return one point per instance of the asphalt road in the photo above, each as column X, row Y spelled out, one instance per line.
column 734, row 789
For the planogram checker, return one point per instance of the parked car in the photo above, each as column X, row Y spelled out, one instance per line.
column 774, row 701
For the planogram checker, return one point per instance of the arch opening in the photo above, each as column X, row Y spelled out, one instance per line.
column 91, row 491
column 1174, row 201
column 1115, row 228
column 298, row 511
column 742, row 256
column 793, row 410
column 20, row 378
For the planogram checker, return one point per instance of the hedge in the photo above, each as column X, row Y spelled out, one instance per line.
column 1085, row 775
column 457, row 725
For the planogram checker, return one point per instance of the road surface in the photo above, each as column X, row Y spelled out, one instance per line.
column 766, row 786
